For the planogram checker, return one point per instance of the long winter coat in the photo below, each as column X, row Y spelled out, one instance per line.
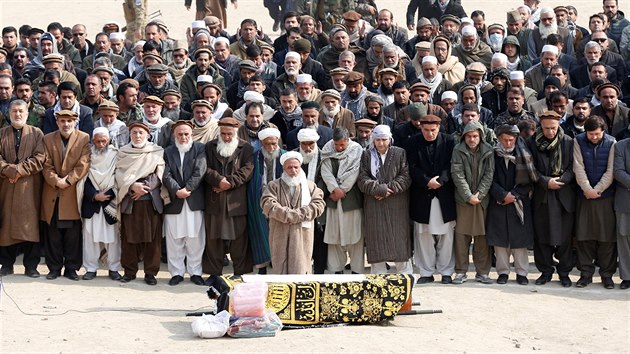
column 386, row 222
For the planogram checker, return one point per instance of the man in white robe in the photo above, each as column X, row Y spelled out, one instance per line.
column 97, row 196
column 184, row 228
column 341, row 162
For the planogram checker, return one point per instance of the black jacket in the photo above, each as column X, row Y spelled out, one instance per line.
column 189, row 174
column 423, row 167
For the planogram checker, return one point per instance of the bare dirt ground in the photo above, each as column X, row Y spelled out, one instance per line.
column 106, row 316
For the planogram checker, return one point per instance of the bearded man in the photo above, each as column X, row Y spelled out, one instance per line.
column 230, row 167
column 22, row 157
column 434, row 79
column 472, row 49
column 341, row 161
column 205, row 128
column 184, row 228
column 139, row 171
column 99, row 207
column 267, row 167
column 332, row 115
column 292, row 203
column 548, row 25
column 159, row 127
column 117, row 130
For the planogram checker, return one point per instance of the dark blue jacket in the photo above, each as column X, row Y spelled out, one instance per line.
column 595, row 160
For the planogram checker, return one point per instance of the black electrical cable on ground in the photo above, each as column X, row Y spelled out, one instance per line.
column 123, row 309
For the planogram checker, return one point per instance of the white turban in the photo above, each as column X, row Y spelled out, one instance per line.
column 291, row 155
column 116, row 35
column 304, row 79
column 100, row 130
column 469, row 31
column 548, row 48
column 268, row 132
column 449, row 95
column 380, row 40
column 500, row 56
column 381, row 132
column 198, row 24
column 467, row 20
column 139, row 44
column 307, row 134
column 204, row 78
column 430, row 59
column 253, row 96
column 517, row 75
column 295, row 55
column 221, row 40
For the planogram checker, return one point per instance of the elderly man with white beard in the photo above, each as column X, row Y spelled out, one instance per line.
column 548, row 25
column 22, row 157
column 433, row 78
column 117, row 130
column 184, row 228
column 306, row 90
column 309, row 142
column 292, row 66
column 230, row 167
column 341, row 162
column 267, row 167
column 205, row 127
column 139, row 171
column 472, row 48
column 99, row 207
column 391, row 59
column 332, row 115
column 159, row 127
column 292, row 203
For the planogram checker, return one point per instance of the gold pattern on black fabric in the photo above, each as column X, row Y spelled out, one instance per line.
column 377, row 298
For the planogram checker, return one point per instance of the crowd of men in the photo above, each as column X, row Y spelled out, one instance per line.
column 341, row 139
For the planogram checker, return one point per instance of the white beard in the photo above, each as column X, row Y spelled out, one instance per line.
column 99, row 152
column 307, row 158
column 139, row 146
column 392, row 66
column 331, row 113
column 591, row 62
column 292, row 72
column 18, row 125
column 270, row 156
column 290, row 181
column 183, row 148
column 227, row 149
column 545, row 31
column 313, row 126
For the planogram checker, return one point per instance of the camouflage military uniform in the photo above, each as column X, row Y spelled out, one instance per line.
column 330, row 12
column 136, row 114
column 135, row 12
column 36, row 113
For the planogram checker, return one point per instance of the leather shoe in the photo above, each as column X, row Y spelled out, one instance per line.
column 4, row 271
column 424, row 280
column 89, row 275
column 565, row 282
column 127, row 278
column 32, row 273
column 543, row 279
column 174, row 280
column 625, row 284
column 114, row 275
column 150, row 279
column 583, row 281
column 71, row 274
column 446, row 279
column 197, row 280
column 53, row 274
column 522, row 280
column 502, row 279
column 608, row 283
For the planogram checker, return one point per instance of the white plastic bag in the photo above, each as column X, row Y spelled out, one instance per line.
column 209, row 326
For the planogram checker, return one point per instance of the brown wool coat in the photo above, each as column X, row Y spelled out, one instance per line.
column 20, row 201
column 75, row 165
